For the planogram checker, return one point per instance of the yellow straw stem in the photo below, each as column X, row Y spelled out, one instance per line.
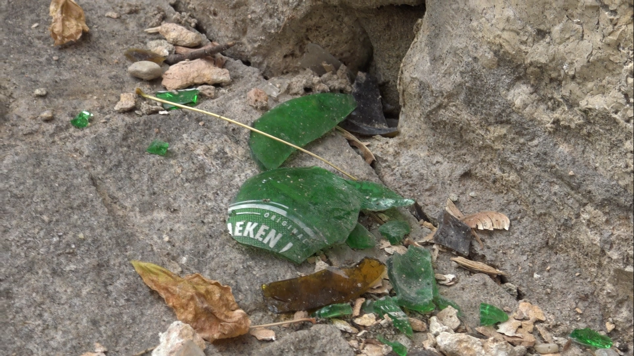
column 141, row 93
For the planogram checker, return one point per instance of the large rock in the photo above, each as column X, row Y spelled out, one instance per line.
column 526, row 108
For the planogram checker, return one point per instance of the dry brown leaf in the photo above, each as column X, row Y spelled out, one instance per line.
column 365, row 151
column 453, row 209
column 356, row 310
column 69, row 21
column 487, row 220
column 477, row 266
column 263, row 334
column 206, row 305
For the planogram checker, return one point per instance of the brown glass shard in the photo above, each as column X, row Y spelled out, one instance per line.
column 332, row 285
column 138, row 54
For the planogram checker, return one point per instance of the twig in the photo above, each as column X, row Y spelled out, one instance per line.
column 144, row 351
column 367, row 154
column 199, row 53
column 312, row 320
column 141, row 93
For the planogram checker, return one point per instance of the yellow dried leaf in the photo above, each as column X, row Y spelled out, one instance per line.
column 206, row 305
column 487, row 220
column 69, row 21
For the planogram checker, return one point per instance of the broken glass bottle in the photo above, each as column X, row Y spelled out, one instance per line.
column 295, row 212
column 412, row 277
column 394, row 231
column 332, row 285
column 360, row 238
column 298, row 121
column 387, row 305
column 491, row 315
column 187, row 97
column 592, row 338
column 333, row 311
column 396, row 346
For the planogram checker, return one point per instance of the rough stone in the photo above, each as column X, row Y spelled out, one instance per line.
column 507, row 101
column 318, row 340
column 160, row 47
column 466, row 345
column 145, row 70
column 40, row 92
column 177, row 334
column 199, row 71
column 257, row 98
column 449, row 317
column 179, row 35
column 547, row 348
column 127, row 102
column 47, row 115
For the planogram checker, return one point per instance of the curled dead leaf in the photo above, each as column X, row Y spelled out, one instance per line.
column 368, row 156
column 453, row 209
column 487, row 220
column 68, row 23
column 206, row 305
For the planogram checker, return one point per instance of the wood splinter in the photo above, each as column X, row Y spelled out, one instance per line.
column 206, row 51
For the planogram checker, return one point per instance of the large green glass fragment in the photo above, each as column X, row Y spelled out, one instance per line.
column 295, row 212
column 332, row 285
column 592, row 338
column 298, row 121
column 387, row 305
column 187, row 97
column 360, row 238
column 491, row 315
column 333, row 311
column 379, row 197
column 412, row 276
column 394, row 231
column 397, row 347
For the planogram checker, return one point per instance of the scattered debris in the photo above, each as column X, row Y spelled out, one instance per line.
column 333, row 311
column 177, row 35
column 263, row 334
column 207, row 90
column 112, row 15
column 100, row 350
column 200, row 71
column 547, row 348
column 187, row 97
column 463, row 344
column 394, row 231
column 446, row 279
column 158, row 148
column 257, row 98
column 356, row 310
column 344, row 326
column 82, row 120
column 40, row 92
column 160, row 47
column 206, row 305
column 127, row 102
column 368, row 156
column 491, row 315
column 174, row 339
column 68, row 23
column 145, row 70
column 366, row 320
column 209, row 52
column 417, row 324
column 449, row 317
column 477, row 266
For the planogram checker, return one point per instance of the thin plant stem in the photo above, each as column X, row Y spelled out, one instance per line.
column 312, row 320
column 141, row 93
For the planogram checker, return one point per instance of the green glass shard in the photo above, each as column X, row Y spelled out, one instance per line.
column 491, row 315
column 333, row 311
column 360, row 238
column 368, row 306
column 412, row 277
column 387, row 305
column 332, row 285
column 397, row 347
column 298, row 121
column 592, row 338
column 379, row 197
column 158, row 148
column 81, row 120
column 394, row 231
column 295, row 212
column 187, row 97
column 442, row 303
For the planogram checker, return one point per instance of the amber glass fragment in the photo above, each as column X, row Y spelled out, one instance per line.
column 332, row 285
column 138, row 54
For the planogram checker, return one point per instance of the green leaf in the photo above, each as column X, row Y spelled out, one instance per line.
column 397, row 347
column 298, row 121
column 387, row 305
column 295, row 212
column 360, row 238
column 394, row 231
column 412, row 277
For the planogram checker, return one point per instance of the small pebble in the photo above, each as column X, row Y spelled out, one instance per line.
column 257, row 98
column 547, row 348
column 112, row 15
column 40, row 92
column 473, row 194
column 127, row 102
column 207, row 90
column 344, row 326
column 55, row 58
column 605, row 352
column 160, row 47
column 145, row 70
column 453, row 197
column 35, row 25
column 46, row 115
